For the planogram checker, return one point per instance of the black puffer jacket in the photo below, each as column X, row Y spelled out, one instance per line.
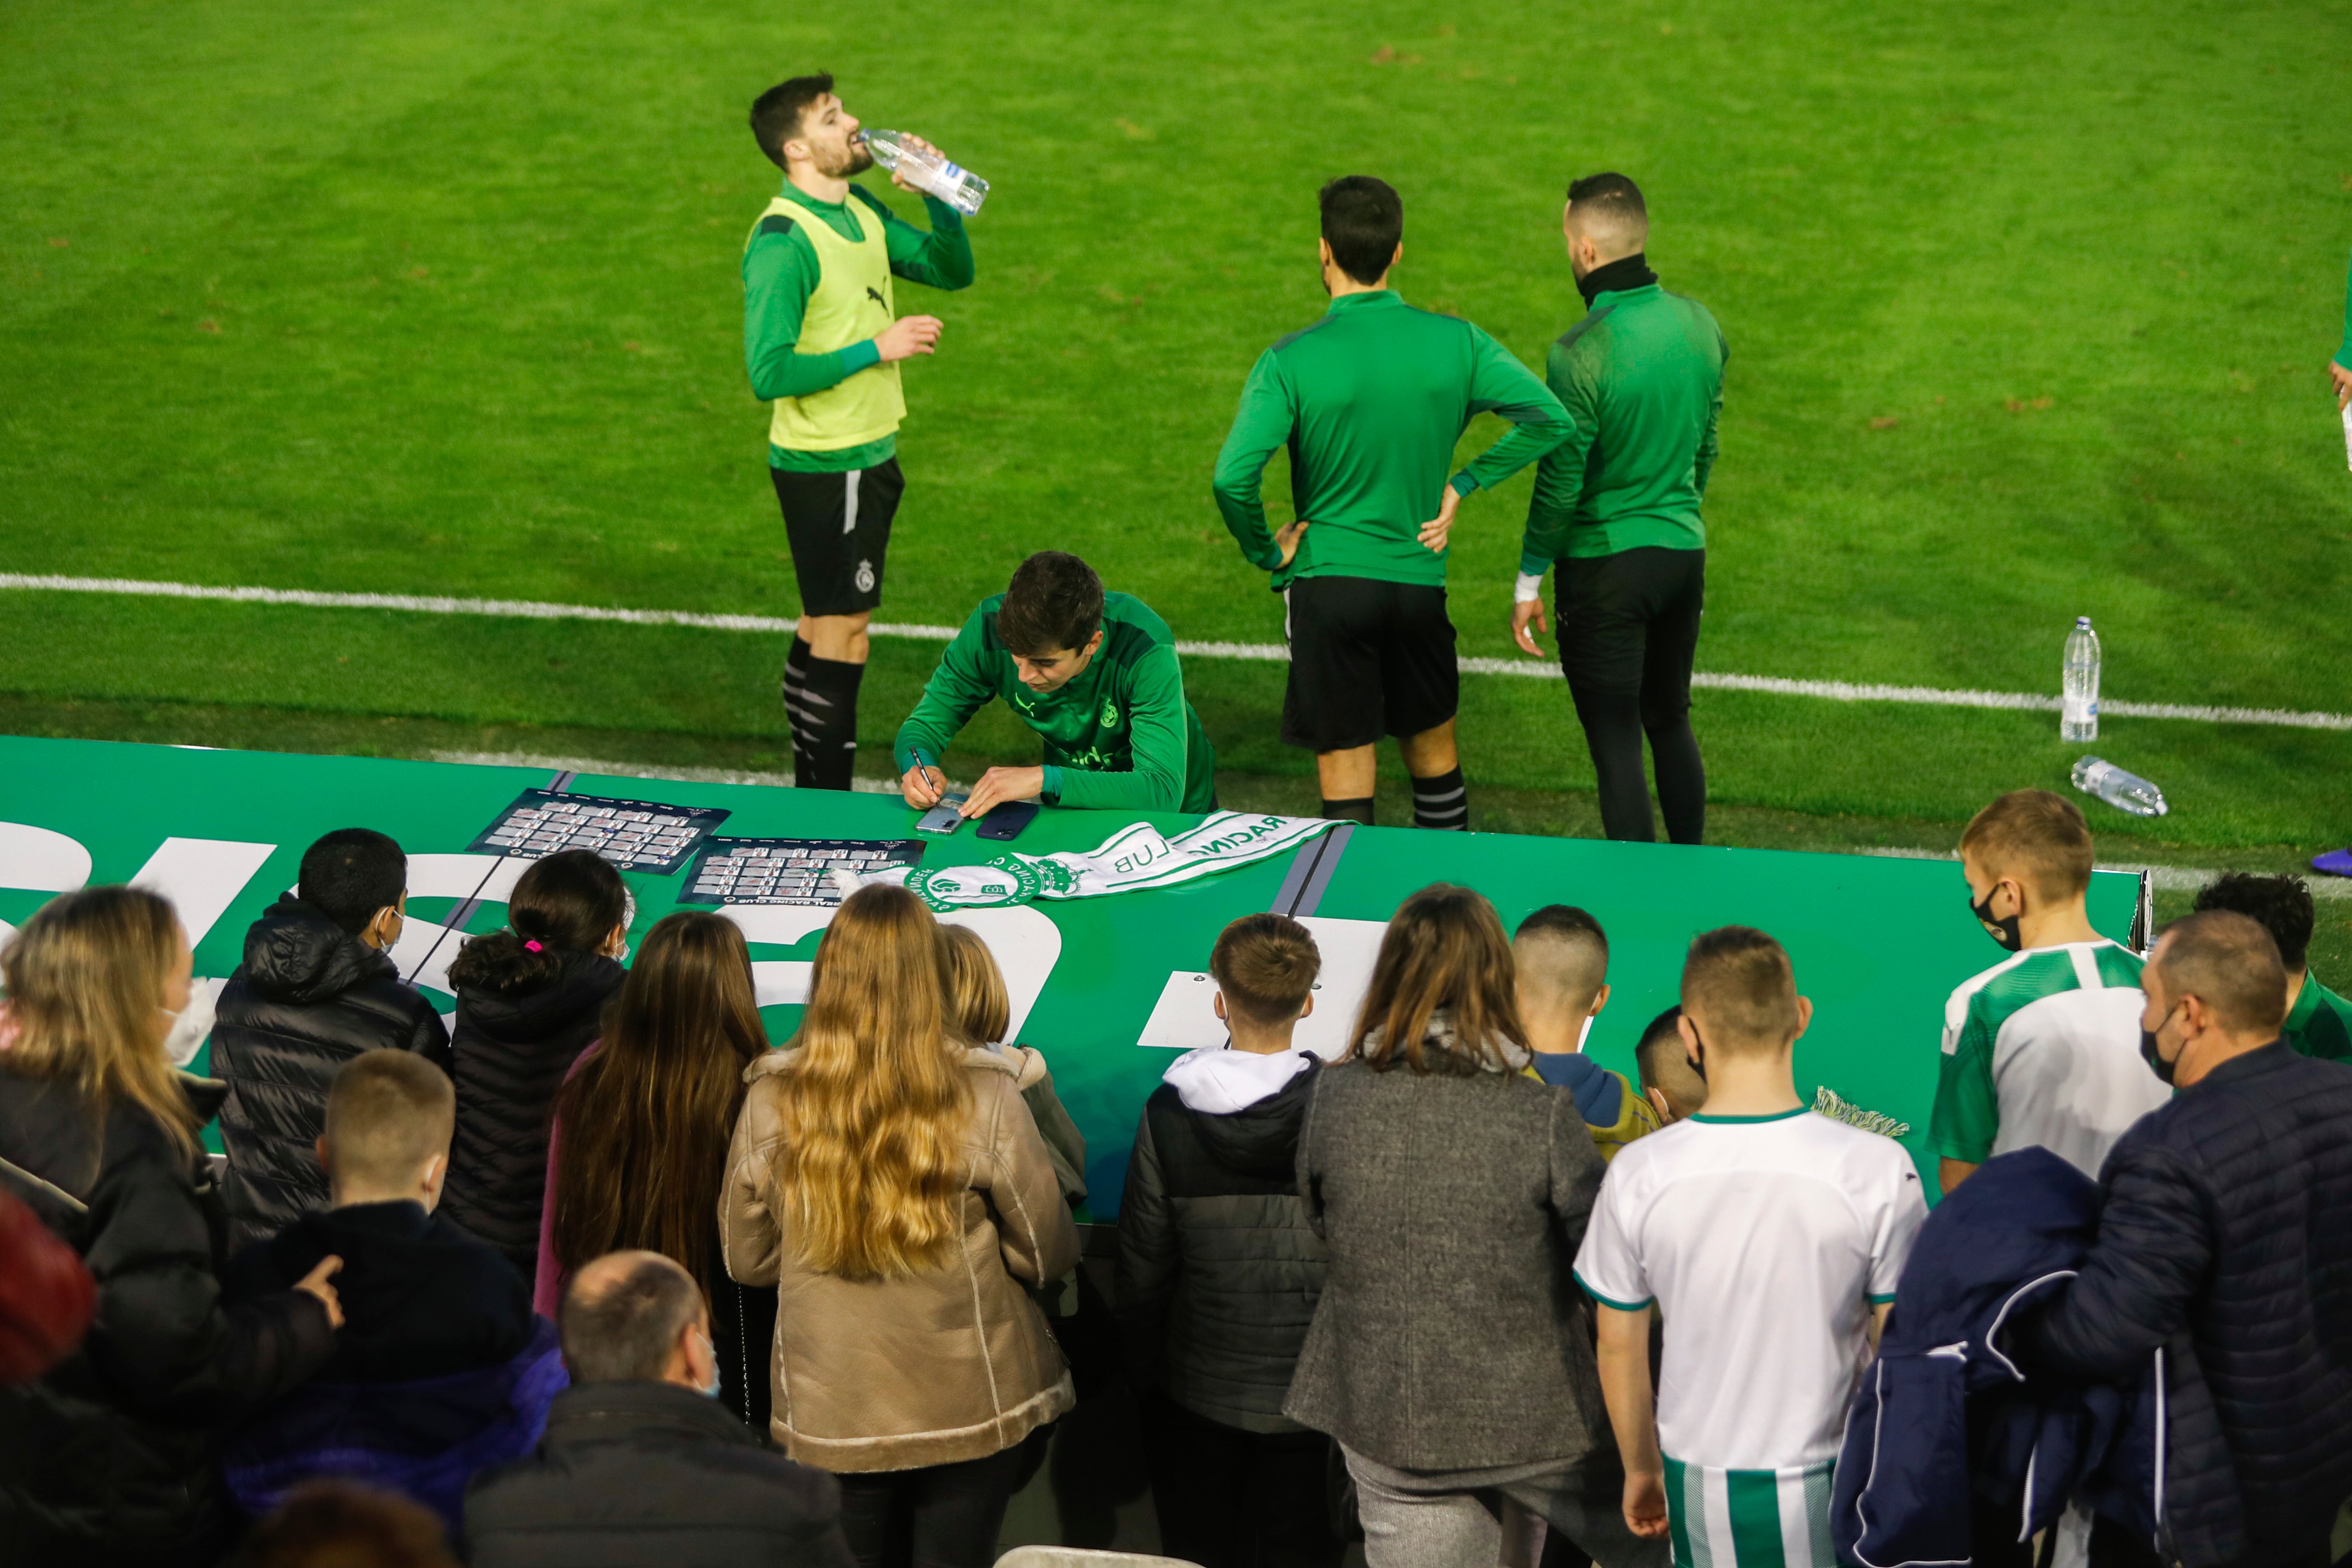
column 2224, row 1240
column 648, row 1475
column 308, row 999
column 508, row 1056
column 1218, row 1268
column 109, row 1458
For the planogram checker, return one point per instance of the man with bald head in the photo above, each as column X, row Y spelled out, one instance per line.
column 2221, row 1241
column 1616, row 510
column 641, row 1464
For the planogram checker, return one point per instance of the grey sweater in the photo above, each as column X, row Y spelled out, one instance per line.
column 1450, row 1334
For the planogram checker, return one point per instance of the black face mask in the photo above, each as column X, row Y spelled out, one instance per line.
column 1696, row 1064
column 2155, row 1063
column 2009, row 937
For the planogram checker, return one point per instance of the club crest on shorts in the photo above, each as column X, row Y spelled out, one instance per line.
column 866, row 576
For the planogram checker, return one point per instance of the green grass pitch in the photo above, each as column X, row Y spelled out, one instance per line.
column 2028, row 306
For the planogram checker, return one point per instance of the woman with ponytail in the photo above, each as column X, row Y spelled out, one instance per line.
column 112, row 1455
column 890, row 1182
column 638, row 1148
column 530, row 1000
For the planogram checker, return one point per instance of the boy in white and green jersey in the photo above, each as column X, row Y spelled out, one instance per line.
column 1771, row 1238
column 2044, row 1048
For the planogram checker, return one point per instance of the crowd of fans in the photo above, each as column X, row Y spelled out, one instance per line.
column 599, row 1278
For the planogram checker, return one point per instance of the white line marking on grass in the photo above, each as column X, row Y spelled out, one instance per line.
column 2168, row 879
column 1264, row 653
column 644, row 770
column 435, row 604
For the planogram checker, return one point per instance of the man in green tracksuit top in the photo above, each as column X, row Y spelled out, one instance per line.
column 1094, row 674
column 1370, row 400
column 2318, row 1021
column 821, row 340
column 1616, row 506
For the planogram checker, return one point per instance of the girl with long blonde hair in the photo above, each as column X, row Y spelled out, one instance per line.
column 980, row 1013
column 99, row 1135
column 887, row 1177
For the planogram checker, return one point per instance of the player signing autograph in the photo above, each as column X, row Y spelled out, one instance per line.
column 1094, row 674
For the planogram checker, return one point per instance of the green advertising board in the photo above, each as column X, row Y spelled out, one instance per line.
column 1108, row 988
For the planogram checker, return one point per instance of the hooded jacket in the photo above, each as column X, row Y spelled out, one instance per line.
column 1451, row 1334
column 953, row 1364
column 110, row 1455
column 1219, row 1270
column 1946, row 1411
column 508, row 1056
column 308, row 999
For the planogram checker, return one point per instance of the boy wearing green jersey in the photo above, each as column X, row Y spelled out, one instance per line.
column 2318, row 1021
column 1369, row 401
column 1094, row 674
column 823, row 340
column 2044, row 1048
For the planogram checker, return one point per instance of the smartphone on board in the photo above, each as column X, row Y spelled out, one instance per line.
column 1006, row 821
column 944, row 817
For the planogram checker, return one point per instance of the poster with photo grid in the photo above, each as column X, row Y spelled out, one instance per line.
column 789, row 871
column 634, row 835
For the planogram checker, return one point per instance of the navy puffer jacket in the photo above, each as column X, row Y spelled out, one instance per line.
column 2223, row 1234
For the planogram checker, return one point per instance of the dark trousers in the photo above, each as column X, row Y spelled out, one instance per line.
column 942, row 1516
column 1231, row 1499
column 1628, row 632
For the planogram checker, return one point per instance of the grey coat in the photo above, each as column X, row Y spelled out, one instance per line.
column 1450, row 1335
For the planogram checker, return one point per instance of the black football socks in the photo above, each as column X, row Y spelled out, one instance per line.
column 1350, row 810
column 1441, row 803
column 821, row 703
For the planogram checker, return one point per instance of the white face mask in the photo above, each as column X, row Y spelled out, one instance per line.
column 190, row 1026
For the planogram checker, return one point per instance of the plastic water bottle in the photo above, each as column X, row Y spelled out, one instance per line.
column 951, row 183
column 2126, row 792
column 2078, row 717
column 2348, row 435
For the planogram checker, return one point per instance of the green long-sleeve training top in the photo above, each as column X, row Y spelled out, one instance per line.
column 780, row 272
column 1370, row 400
column 1118, row 735
column 1641, row 379
column 2344, row 354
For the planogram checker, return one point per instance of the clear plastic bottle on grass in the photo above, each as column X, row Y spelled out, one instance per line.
column 2126, row 792
column 2078, row 717
column 929, row 171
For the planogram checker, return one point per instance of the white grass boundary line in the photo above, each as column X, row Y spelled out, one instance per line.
column 1267, row 653
column 2168, row 879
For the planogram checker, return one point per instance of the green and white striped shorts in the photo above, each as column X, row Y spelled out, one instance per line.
column 1749, row 1518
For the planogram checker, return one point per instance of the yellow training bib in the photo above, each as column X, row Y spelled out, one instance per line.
column 852, row 303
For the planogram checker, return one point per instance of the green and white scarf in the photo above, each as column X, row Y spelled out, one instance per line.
column 1133, row 858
